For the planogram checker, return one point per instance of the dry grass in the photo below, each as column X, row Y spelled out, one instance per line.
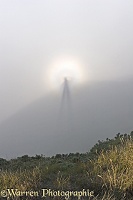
column 113, row 170
column 22, row 180
column 110, row 175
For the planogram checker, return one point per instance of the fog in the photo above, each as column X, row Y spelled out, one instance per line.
column 34, row 34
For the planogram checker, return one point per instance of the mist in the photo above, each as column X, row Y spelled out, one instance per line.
column 98, row 35
column 97, row 112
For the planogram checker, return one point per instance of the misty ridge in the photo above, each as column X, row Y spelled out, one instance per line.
column 98, row 111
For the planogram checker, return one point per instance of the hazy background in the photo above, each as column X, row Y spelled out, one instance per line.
column 35, row 32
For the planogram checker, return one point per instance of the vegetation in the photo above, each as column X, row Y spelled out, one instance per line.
column 107, row 169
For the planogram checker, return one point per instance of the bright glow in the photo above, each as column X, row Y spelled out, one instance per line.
column 65, row 68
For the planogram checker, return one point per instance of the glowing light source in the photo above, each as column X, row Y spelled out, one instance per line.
column 65, row 68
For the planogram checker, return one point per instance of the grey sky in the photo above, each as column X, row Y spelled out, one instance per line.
column 35, row 32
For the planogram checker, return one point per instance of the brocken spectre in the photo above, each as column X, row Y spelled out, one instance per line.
column 65, row 67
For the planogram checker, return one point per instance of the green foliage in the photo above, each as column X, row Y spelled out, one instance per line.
column 107, row 169
column 108, row 144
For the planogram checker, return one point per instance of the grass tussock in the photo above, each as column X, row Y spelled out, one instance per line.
column 21, row 180
column 113, row 170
